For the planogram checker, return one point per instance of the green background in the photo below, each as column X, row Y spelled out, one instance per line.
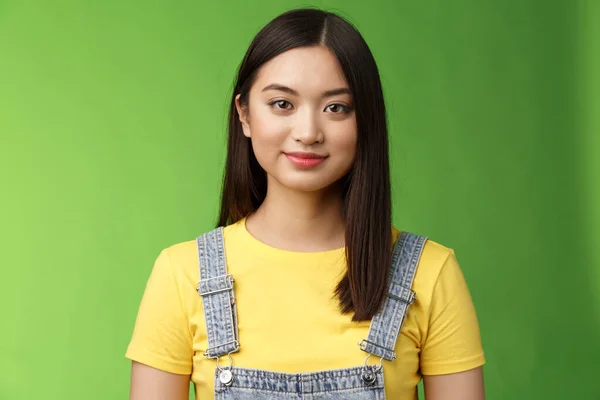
column 112, row 124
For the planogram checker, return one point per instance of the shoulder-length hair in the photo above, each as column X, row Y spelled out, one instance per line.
column 366, row 188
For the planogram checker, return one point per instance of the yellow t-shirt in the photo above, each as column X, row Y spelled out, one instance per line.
column 289, row 320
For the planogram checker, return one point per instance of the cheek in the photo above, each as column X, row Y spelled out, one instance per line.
column 268, row 134
column 344, row 139
column 267, row 126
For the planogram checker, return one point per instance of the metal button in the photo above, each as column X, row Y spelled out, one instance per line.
column 368, row 377
column 226, row 377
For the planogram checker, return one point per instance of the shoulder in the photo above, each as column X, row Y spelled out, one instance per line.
column 181, row 253
column 178, row 262
column 182, row 257
column 435, row 257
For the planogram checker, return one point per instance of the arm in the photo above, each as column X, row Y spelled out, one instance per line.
column 467, row 385
column 148, row 383
column 452, row 355
column 161, row 345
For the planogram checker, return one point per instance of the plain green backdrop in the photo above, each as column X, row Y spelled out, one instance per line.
column 112, row 124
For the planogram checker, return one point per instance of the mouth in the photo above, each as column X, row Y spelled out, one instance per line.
column 305, row 160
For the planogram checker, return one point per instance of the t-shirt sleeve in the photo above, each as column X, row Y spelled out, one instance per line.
column 161, row 336
column 453, row 341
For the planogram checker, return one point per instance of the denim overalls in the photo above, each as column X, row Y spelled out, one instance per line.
column 363, row 382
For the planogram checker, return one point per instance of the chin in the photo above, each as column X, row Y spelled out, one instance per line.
column 306, row 184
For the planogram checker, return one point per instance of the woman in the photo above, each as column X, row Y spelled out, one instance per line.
column 330, row 301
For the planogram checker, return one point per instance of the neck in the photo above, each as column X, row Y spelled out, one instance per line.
column 299, row 221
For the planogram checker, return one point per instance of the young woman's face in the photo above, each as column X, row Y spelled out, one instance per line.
column 300, row 119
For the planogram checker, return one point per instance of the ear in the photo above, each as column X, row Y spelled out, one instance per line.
column 243, row 115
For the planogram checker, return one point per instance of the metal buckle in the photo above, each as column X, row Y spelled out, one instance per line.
column 378, row 367
column 363, row 346
column 225, row 373
column 228, row 279
column 237, row 347
column 369, row 376
column 411, row 298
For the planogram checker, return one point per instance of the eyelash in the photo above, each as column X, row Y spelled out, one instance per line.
column 346, row 109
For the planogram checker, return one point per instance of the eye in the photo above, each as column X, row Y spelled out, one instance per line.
column 337, row 108
column 281, row 104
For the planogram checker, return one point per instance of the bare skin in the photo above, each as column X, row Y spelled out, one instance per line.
column 467, row 385
column 149, row 383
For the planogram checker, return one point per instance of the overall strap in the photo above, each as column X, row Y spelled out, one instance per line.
column 386, row 324
column 218, row 299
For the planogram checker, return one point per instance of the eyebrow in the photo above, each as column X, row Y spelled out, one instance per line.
column 283, row 88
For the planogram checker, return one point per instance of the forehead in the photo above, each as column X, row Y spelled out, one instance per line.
column 306, row 69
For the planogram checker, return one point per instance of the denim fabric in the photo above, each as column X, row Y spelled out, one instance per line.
column 323, row 385
column 385, row 326
column 218, row 299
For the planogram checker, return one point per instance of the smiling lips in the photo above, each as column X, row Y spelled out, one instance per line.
column 305, row 160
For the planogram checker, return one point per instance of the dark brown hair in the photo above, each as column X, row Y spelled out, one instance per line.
column 366, row 189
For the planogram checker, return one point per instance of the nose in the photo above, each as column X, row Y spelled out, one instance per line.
column 307, row 129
